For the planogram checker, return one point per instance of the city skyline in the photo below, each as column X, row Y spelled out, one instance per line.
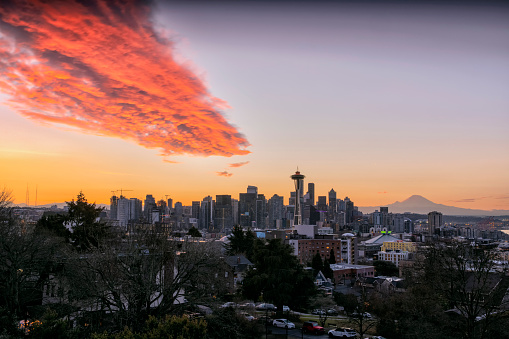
column 376, row 101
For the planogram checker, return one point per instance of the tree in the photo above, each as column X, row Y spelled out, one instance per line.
column 360, row 315
column 83, row 219
column 241, row 242
column 327, row 271
column 332, row 257
column 24, row 260
column 464, row 279
column 225, row 323
column 166, row 327
column 321, row 301
column 54, row 224
column 317, row 264
column 146, row 275
column 193, row 231
column 385, row 268
column 278, row 276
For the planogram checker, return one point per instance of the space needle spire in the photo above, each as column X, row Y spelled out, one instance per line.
column 298, row 179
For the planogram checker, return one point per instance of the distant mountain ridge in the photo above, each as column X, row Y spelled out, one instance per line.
column 419, row 204
column 58, row 204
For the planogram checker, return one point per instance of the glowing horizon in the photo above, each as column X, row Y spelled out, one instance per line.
column 379, row 101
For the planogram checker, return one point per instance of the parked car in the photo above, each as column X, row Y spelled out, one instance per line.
column 228, row 304
column 265, row 306
column 286, row 308
column 247, row 316
column 265, row 320
column 332, row 312
column 247, row 305
column 312, row 327
column 284, row 323
column 343, row 332
column 318, row 312
column 364, row 315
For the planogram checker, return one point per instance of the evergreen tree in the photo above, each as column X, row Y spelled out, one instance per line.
column 317, row 264
column 278, row 276
column 87, row 229
column 332, row 257
column 193, row 231
column 241, row 242
column 327, row 271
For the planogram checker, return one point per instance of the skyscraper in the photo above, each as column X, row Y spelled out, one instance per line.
column 276, row 211
column 311, row 193
column 195, row 209
column 113, row 207
column 260, row 211
column 332, row 205
column 435, row 221
column 206, row 211
column 247, row 206
column 223, row 216
column 149, row 204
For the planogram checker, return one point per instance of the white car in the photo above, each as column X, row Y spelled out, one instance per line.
column 343, row 332
column 247, row 316
column 284, row 323
column 228, row 304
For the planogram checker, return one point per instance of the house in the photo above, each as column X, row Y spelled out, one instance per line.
column 236, row 266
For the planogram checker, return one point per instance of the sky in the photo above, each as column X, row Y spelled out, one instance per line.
column 183, row 99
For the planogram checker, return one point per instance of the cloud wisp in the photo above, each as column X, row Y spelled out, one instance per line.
column 238, row 164
column 100, row 67
column 224, row 174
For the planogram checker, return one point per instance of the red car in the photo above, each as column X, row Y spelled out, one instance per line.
column 312, row 327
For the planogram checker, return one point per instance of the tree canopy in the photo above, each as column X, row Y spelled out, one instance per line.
column 278, row 277
column 241, row 242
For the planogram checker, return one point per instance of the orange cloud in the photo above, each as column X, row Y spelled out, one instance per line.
column 238, row 164
column 103, row 69
column 224, row 174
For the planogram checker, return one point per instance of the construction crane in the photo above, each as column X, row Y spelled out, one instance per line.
column 121, row 191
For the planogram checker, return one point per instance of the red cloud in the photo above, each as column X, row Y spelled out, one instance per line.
column 238, row 164
column 103, row 69
column 224, row 174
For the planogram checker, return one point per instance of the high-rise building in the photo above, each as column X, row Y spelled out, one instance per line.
column 113, row 207
column 123, row 215
column 206, row 213
column 435, row 220
column 223, row 216
column 195, row 209
column 276, row 211
column 291, row 199
column 149, row 205
column 247, row 206
column 252, row 189
column 235, row 211
column 311, row 193
column 260, row 211
column 321, row 204
column 179, row 210
column 135, row 209
column 331, row 211
column 349, row 210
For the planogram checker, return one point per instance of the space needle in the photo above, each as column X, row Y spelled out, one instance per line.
column 299, row 184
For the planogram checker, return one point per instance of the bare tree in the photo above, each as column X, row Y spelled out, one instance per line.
column 465, row 277
column 145, row 275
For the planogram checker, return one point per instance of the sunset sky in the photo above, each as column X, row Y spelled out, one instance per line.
column 379, row 101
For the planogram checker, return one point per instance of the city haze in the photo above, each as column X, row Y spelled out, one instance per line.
column 378, row 102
